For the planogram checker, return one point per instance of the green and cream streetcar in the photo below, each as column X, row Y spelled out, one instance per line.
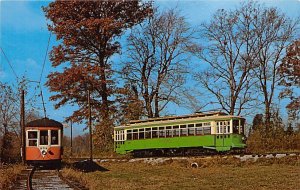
column 187, row 134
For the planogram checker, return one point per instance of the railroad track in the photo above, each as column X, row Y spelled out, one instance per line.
column 35, row 178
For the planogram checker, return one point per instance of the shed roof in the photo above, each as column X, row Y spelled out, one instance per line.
column 44, row 122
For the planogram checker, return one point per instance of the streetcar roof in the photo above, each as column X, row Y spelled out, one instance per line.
column 183, row 118
column 44, row 122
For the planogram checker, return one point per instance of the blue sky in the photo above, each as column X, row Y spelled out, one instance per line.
column 24, row 38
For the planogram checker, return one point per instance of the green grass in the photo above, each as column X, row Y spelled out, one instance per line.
column 269, row 174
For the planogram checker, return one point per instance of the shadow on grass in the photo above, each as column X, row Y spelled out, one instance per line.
column 88, row 166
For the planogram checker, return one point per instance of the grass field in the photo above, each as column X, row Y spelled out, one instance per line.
column 211, row 174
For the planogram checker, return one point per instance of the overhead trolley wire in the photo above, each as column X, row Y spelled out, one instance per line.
column 45, row 58
column 9, row 64
column 42, row 75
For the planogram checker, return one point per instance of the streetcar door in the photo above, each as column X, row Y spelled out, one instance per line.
column 219, row 134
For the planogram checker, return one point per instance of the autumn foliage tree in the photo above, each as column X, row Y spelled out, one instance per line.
column 87, row 33
column 290, row 72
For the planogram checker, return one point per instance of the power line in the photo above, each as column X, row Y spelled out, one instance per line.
column 9, row 64
column 45, row 58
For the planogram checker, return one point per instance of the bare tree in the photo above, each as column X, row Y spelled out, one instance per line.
column 157, row 52
column 9, row 109
column 245, row 47
column 274, row 32
column 10, row 131
column 230, row 44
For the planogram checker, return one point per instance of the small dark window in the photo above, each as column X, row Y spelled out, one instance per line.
column 148, row 134
column 141, row 134
column 176, row 131
column 199, row 125
column 162, row 133
column 169, row 133
column 191, row 125
column 135, row 136
column 236, row 126
column 182, row 126
column 54, row 137
column 43, row 137
column 129, row 136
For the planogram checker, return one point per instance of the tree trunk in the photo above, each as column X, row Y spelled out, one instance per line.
column 104, row 93
column 156, row 114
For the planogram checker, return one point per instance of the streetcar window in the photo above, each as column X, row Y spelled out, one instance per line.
column 242, row 126
column 141, row 133
column 129, row 136
column 198, row 124
column 148, row 133
column 235, row 126
column 154, row 132
column 44, row 137
column 191, row 125
column 191, row 131
column 162, row 132
column 206, row 124
column 54, row 137
column 32, row 138
column 199, row 131
column 176, row 130
column 135, row 136
column 169, row 133
column 206, row 130
column 182, row 126
column 183, row 132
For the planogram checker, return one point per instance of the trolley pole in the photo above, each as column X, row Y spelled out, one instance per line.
column 23, row 126
column 90, row 126
column 71, row 138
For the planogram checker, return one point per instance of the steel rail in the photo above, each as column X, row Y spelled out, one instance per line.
column 29, row 179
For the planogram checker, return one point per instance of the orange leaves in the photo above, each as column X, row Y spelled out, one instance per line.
column 87, row 32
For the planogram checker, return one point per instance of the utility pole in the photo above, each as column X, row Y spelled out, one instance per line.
column 23, row 126
column 90, row 126
column 71, row 138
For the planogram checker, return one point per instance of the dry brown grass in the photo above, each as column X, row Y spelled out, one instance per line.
column 214, row 173
column 8, row 174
